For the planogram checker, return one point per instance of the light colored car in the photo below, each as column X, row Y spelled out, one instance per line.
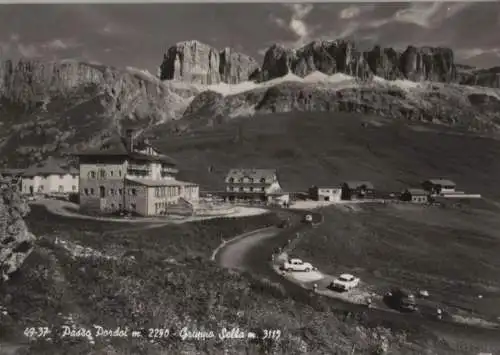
column 308, row 218
column 297, row 265
column 345, row 282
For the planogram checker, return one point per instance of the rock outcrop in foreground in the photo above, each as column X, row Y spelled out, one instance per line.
column 16, row 242
column 199, row 63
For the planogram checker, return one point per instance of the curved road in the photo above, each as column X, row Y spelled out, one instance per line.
column 252, row 253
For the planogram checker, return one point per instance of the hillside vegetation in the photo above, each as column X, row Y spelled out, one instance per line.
column 328, row 148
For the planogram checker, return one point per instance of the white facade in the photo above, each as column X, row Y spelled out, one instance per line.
column 53, row 183
column 329, row 194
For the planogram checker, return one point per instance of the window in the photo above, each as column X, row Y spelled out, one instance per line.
column 92, row 174
column 61, row 176
column 102, row 174
column 119, row 173
column 251, row 189
column 231, row 179
column 157, row 192
column 60, row 188
column 133, row 191
column 120, row 206
column 111, row 191
column 110, row 173
column 113, row 206
column 120, row 191
column 133, row 206
column 92, row 191
column 262, row 189
column 251, row 180
column 241, row 188
column 86, row 191
column 240, row 180
column 102, row 192
column 73, row 188
column 262, row 180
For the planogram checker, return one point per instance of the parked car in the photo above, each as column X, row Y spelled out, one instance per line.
column 345, row 282
column 297, row 265
column 308, row 218
column 402, row 299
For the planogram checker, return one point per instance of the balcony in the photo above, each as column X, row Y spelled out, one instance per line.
column 167, row 171
column 139, row 168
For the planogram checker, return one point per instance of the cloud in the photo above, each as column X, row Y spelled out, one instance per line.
column 28, row 50
column 59, row 44
column 475, row 52
column 419, row 13
column 296, row 25
column 350, row 12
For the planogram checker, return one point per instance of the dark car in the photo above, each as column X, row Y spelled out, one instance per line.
column 284, row 224
column 401, row 299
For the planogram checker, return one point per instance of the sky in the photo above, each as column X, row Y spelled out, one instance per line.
column 139, row 34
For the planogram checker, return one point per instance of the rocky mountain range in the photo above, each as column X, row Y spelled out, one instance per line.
column 49, row 107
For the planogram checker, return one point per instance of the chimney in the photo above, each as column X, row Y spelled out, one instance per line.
column 129, row 137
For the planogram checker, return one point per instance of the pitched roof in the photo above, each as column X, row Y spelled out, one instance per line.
column 417, row 192
column 156, row 183
column 357, row 184
column 255, row 174
column 51, row 166
column 442, row 182
column 11, row 171
column 117, row 146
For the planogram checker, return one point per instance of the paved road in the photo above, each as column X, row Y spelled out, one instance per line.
column 253, row 254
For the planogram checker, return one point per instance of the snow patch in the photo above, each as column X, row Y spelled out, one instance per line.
column 143, row 74
column 402, row 84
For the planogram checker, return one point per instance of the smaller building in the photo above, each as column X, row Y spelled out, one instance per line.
column 51, row 176
column 149, row 197
column 281, row 199
column 415, row 196
column 325, row 193
column 252, row 185
column 352, row 190
column 439, row 186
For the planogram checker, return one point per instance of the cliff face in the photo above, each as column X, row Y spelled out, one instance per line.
column 330, row 57
column 16, row 242
column 196, row 62
column 53, row 106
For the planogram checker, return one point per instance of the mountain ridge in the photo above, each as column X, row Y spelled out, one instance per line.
column 50, row 107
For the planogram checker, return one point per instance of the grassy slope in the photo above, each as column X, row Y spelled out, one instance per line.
column 327, row 148
column 154, row 292
column 452, row 252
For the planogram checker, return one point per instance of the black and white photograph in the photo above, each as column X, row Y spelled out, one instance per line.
column 250, row 178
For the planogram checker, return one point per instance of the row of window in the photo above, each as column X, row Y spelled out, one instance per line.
column 133, row 207
column 250, row 189
column 102, row 174
column 250, row 180
column 111, row 192
column 160, row 206
column 45, row 177
column 169, row 191
column 41, row 188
